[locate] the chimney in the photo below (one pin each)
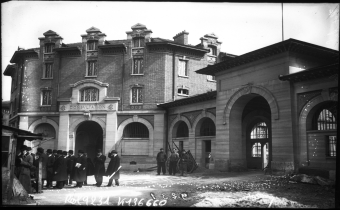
(182, 37)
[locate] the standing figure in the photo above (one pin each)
(173, 162)
(67, 162)
(70, 168)
(99, 167)
(49, 168)
(43, 158)
(33, 167)
(113, 168)
(183, 163)
(79, 172)
(59, 170)
(89, 169)
(161, 159)
(23, 164)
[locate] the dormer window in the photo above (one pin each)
(92, 45)
(138, 42)
(89, 94)
(49, 47)
(213, 50)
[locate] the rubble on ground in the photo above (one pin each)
(312, 180)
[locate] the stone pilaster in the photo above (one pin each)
(63, 135)
(111, 132)
(158, 140)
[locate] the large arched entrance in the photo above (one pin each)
(250, 132)
(89, 137)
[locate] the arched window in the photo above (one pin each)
(182, 130)
(208, 128)
(256, 151)
(136, 130)
(259, 131)
(324, 120)
(89, 94)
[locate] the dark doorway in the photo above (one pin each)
(206, 150)
(89, 137)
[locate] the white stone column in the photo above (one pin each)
(111, 132)
(158, 140)
(63, 136)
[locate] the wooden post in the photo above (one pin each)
(12, 167)
(40, 176)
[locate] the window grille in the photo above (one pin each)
(208, 128)
(137, 95)
(92, 45)
(137, 66)
(89, 94)
(182, 130)
(182, 91)
(136, 130)
(326, 120)
(256, 152)
(92, 68)
(46, 97)
(182, 68)
(49, 48)
(259, 131)
(211, 78)
(48, 70)
(138, 42)
(331, 146)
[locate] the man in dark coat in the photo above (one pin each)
(113, 168)
(161, 159)
(67, 166)
(89, 169)
(33, 167)
(183, 163)
(79, 172)
(23, 164)
(40, 155)
(60, 170)
(49, 168)
(99, 167)
(174, 157)
(70, 168)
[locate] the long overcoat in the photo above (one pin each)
(90, 167)
(60, 166)
(23, 171)
(50, 163)
(99, 165)
(113, 166)
(71, 163)
(43, 157)
(79, 174)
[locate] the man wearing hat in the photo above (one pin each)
(59, 170)
(71, 162)
(79, 172)
(43, 157)
(67, 166)
(23, 164)
(113, 167)
(99, 167)
(161, 159)
(49, 167)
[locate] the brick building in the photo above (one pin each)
(274, 106)
(103, 94)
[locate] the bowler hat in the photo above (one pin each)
(81, 151)
(60, 152)
(64, 153)
(114, 151)
(161, 149)
(23, 147)
(55, 151)
(70, 151)
(41, 150)
(29, 148)
(49, 151)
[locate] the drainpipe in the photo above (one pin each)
(173, 74)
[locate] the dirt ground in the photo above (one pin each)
(203, 188)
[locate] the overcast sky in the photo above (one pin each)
(241, 27)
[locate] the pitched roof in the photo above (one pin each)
(211, 95)
(291, 45)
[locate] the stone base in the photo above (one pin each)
(222, 165)
(282, 167)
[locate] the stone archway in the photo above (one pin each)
(304, 116)
(121, 127)
(35, 124)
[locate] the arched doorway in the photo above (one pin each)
(180, 135)
(49, 134)
(89, 137)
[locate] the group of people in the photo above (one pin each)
(64, 168)
(173, 160)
